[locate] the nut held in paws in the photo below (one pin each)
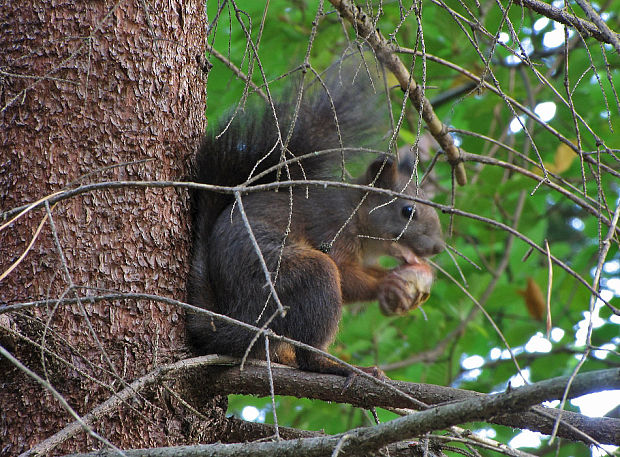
(405, 288)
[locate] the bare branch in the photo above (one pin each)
(584, 27)
(386, 53)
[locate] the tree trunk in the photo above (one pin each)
(87, 87)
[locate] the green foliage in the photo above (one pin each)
(574, 235)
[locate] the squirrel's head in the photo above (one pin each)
(410, 227)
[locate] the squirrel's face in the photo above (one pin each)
(407, 225)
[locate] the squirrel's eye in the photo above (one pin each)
(407, 211)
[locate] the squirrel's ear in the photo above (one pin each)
(384, 170)
(406, 163)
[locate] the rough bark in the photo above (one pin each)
(86, 86)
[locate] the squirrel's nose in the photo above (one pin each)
(438, 246)
(429, 246)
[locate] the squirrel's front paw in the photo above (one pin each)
(405, 288)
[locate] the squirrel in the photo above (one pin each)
(320, 244)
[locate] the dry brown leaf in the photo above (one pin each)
(562, 160)
(534, 299)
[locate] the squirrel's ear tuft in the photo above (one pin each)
(406, 164)
(383, 171)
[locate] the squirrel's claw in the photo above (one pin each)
(374, 371)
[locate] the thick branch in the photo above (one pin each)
(240, 431)
(364, 393)
(611, 36)
(365, 440)
(584, 27)
(386, 54)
